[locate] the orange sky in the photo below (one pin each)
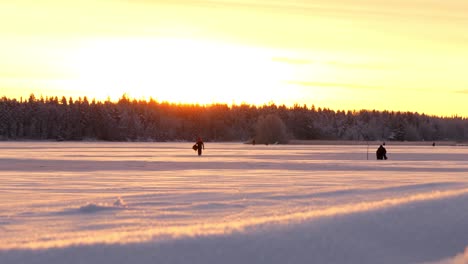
(408, 55)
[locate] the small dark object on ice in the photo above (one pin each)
(381, 153)
(200, 145)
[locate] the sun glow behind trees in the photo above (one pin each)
(181, 71)
(356, 54)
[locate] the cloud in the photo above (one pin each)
(452, 9)
(332, 85)
(368, 66)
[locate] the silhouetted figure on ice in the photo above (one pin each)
(381, 153)
(199, 145)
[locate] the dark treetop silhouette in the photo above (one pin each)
(140, 120)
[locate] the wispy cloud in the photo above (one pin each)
(372, 87)
(332, 85)
(367, 66)
(370, 8)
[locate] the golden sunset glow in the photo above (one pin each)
(355, 54)
(180, 70)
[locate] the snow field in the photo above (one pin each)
(88, 202)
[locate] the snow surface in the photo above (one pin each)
(89, 202)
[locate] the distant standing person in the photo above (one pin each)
(200, 145)
(381, 153)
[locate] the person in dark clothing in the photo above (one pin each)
(381, 153)
(200, 145)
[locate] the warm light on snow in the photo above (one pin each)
(161, 203)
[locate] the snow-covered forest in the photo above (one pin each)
(140, 120)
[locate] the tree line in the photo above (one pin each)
(128, 119)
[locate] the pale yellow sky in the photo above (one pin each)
(407, 55)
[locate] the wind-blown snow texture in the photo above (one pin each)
(161, 203)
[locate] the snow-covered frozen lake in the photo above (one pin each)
(86, 202)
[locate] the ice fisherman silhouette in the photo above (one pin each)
(381, 153)
(199, 145)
